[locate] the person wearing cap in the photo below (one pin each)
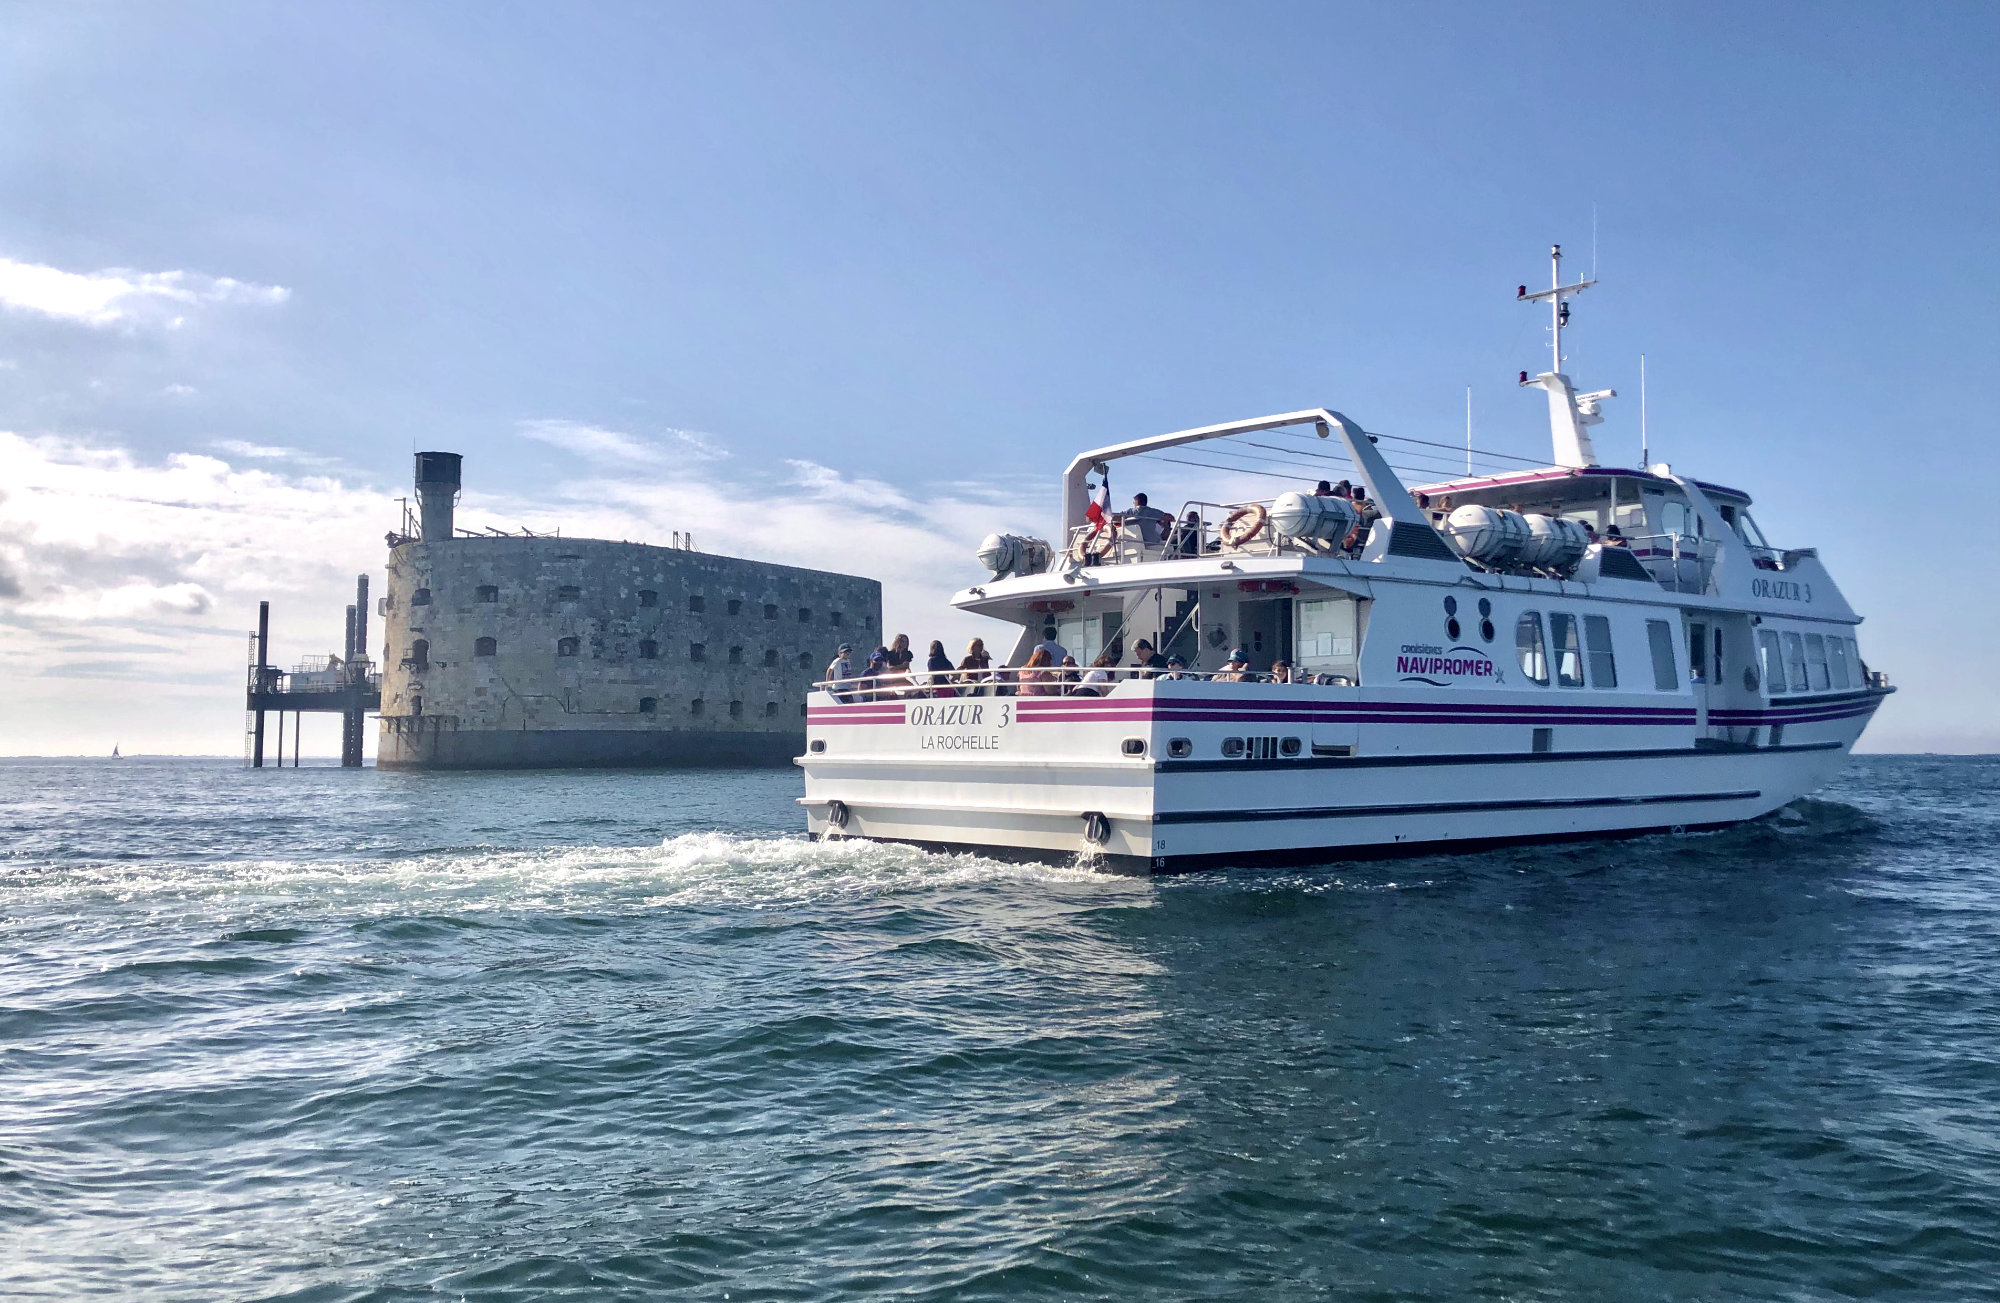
(874, 672)
(1174, 667)
(1238, 668)
(841, 667)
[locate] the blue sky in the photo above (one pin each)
(902, 261)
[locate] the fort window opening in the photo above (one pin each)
(833, 618)
(422, 597)
(697, 652)
(647, 597)
(805, 615)
(697, 602)
(697, 706)
(420, 654)
(770, 611)
(770, 710)
(569, 593)
(484, 647)
(649, 705)
(736, 710)
(568, 646)
(649, 650)
(736, 606)
(735, 655)
(771, 657)
(489, 593)
(805, 660)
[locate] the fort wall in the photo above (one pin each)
(508, 652)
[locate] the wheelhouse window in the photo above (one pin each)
(1597, 646)
(1325, 634)
(1666, 665)
(1816, 668)
(1795, 661)
(1529, 648)
(1771, 662)
(1837, 658)
(1564, 637)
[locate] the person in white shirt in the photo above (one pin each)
(1049, 644)
(841, 667)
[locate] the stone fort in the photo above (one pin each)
(529, 651)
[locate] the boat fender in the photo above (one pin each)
(836, 814)
(1244, 524)
(1096, 828)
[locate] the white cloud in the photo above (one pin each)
(595, 444)
(120, 297)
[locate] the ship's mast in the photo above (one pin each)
(1570, 413)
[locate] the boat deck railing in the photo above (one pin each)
(1679, 563)
(1196, 530)
(1055, 681)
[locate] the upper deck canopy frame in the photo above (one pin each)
(1393, 500)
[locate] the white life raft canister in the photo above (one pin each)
(1306, 515)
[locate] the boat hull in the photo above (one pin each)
(1619, 772)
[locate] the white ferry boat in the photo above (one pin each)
(1558, 652)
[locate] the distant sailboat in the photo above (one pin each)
(114, 752)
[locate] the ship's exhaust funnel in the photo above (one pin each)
(437, 493)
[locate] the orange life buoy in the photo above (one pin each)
(1244, 524)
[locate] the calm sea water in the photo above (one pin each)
(324, 1035)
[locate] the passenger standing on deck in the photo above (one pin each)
(1147, 661)
(1049, 644)
(1034, 676)
(938, 665)
(841, 667)
(976, 670)
(1149, 520)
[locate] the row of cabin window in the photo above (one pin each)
(648, 651)
(651, 706)
(647, 597)
(1809, 662)
(1585, 644)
